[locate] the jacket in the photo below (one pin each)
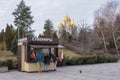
(47, 59)
(54, 58)
(39, 56)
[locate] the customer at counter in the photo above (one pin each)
(47, 61)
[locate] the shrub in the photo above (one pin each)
(101, 59)
(79, 60)
(12, 64)
(112, 58)
(91, 59)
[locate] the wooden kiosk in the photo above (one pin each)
(25, 47)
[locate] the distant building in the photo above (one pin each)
(68, 25)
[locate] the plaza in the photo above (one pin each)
(105, 71)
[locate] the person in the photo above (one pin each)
(33, 55)
(39, 59)
(60, 56)
(54, 59)
(47, 62)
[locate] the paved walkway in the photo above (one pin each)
(108, 71)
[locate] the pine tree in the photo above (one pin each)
(14, 45)
(9, 35)
(55, 35)
(23, 20)
(48, 27)
(2, 35)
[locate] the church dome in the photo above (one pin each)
(67, 18)
(73, 25)
(68, 24)
(61, 25)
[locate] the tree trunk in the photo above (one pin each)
(115, 44)
(104, 41)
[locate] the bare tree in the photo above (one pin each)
(99, 23)
(87, 39)
(106, 18)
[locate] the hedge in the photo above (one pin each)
(12, 64)
(92, 59)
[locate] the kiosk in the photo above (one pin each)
(27, 45)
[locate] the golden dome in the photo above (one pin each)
(67, 18)
(73, 25)
(61, 25)
(68, 24)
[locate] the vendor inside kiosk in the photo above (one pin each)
(34, 50)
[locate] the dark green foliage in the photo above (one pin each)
(88, 60)
(65, 36)
(101, 59)
(12, 64)
(14, 46)
(55, 35)
(48, 29)
(9, 64)
(2, 35)
(9, 35)
(23, 20)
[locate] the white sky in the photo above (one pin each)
(55, 10)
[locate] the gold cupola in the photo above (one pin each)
(61, 25)
(67, 18)
(68, 24)
(73, 25)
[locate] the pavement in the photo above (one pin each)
(106, 71)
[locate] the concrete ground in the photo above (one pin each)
(106, 71)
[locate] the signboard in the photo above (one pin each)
(35, 39)
(42, 39)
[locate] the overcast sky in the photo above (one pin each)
(55, 10)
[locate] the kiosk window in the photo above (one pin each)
(52, 50)
(45, 50)
(32, 51)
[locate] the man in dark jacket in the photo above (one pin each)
(54, 59)
(47, 62)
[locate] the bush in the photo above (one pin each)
(12, 64)
(91, 59)
(112, 58)
(101, 59)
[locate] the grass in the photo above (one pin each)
(7, 55)
(69, 53)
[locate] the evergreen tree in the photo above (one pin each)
(23, 20)
(14, 45)
(9, 35)
(2, 35)
(41, 36)
(55, 35)
(48, 27)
